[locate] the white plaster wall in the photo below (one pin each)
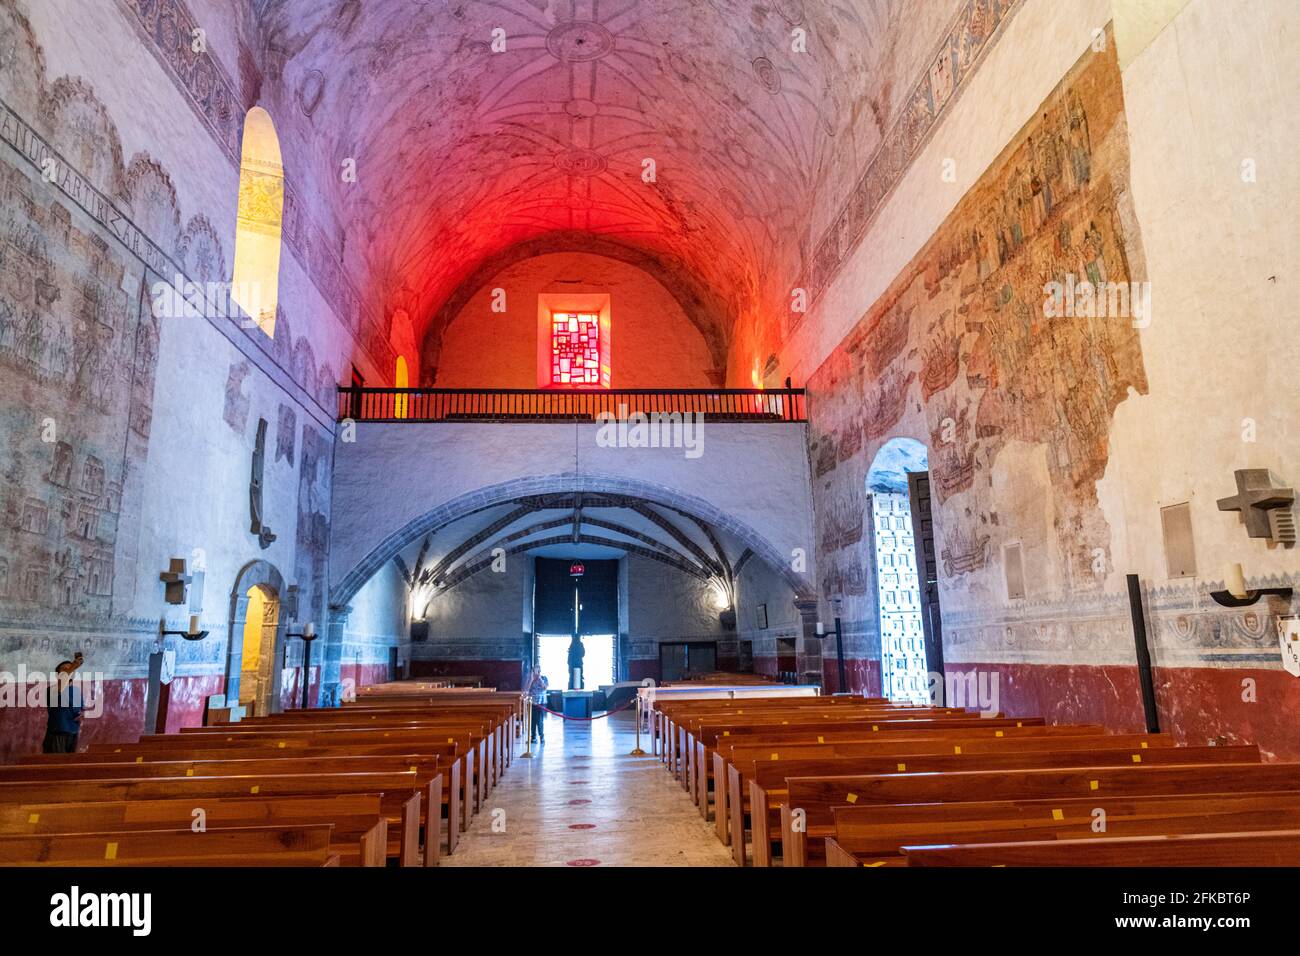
(1214, 89)
(667, 604)
(393, 473)
(378, 620)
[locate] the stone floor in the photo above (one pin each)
(582, 801)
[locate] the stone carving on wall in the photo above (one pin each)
(992, 367)
(257, 514)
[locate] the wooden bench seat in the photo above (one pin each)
(870, 835)
(237, 846)
(930, 742)
(428, 769)
(359, 837)
(818, 796)
(402, 795)
(769, 792)
(1265, 848)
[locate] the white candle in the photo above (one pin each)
(310, 629)
(1234, 580)
(194, 624)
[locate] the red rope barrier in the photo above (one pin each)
(597, 717)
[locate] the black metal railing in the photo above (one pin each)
(555, 405)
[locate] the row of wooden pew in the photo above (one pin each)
(393, 778)
(853, 781)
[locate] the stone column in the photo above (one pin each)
(331, 688)
(808, 647)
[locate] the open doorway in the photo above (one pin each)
(907, 594)
(257, 659)
(580, 597)
(597, 664)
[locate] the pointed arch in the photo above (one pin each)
(256, 277)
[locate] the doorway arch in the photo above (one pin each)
(260, 589)
(907, 607)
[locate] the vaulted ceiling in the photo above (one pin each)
(571, 525)
(464, 152)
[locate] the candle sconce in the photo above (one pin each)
(1228, 599)
(308, 634)
(193, 634)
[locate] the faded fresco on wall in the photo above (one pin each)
(76, 374)
(84, 235)
(962, 351)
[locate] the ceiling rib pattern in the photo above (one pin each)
(465, 151)
(621, 524)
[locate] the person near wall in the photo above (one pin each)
(536, 691)
(576, 653)
(63, 723)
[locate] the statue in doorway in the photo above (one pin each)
(576, 654)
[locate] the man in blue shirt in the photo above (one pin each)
(64, 722)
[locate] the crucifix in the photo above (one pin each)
(175, 581)
(1266, 508)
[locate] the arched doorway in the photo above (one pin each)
(907, 595)
(255, 658)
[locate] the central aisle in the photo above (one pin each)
(582, 801)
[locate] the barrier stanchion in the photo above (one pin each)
(528, 730)
(637, 751)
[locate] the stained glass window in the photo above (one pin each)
(575, 349)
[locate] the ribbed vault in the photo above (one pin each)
(757, 117)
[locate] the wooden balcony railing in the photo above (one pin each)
(554, 405)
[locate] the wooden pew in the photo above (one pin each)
(359, 836)
(873, 836)
(474, 780)
(401, 794)
(979, 727)
(237, 846)
(426, 768)
(747, 750)
(1266, 848)
(817, 796)
(298, 759)
(768, 789)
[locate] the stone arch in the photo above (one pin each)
(261, 574)
(506, 491)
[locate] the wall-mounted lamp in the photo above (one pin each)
(1236, 594)
(308, 634)
(193, 634)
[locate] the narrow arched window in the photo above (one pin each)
(401, 379)
(256, 282)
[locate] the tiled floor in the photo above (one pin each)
(627, 811)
